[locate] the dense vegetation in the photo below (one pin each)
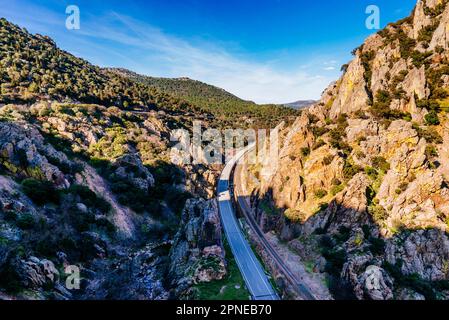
(33, 67)
(216, 101)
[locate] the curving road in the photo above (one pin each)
(244, 207)
(254, 275)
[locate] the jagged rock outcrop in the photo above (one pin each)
(348, 209)
(197, 254)
(352, 95)
(35, 273)
(424, 252)
(361, 128)
(201, 180)
(420, 19)
(23, 152)
(130, 168)
(363, 174)
(135, 276)
(381, 68)
(415, 83)
(440, 37)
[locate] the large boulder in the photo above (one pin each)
(352, 95)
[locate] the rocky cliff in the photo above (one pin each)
(86, 182)
(362, 175)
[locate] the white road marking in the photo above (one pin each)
(250, 268)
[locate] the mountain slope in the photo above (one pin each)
(86, 181)
(362, 184)
(217, 101)
(32, 68)
(185, 87)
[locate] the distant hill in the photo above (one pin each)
(184, 87)
(33, 68)
(217, 101)
(301, 104)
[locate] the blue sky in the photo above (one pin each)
(268, 51)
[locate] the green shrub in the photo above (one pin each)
(267, 206)
(406, 44)
(371, 172)
(378, 213)
(343, 235)
(431, 151)
(413, 281)
(381, 107)
(305, 152)
(350, 170)
(432, 118)
(366, 58)
(380, 163)
(176, 199)
(319, 131)
(430, 134)
(323, 206)
(428, 104)
(360, 114)
(341, 145)
(328, 160)
(166, 173)
(360, 154)
(336, 182)
(66, 168)
(335, 259)
(313, 118)
(370, 194)
(403, 186)
(130, 196)
(108, 226)
(26, 221)
(366, 231)
(425, 34)
(377, 246)
(336, 134)
(320, 194)
(40, 192)
(337, 189)
(420, 58)
(318, 144)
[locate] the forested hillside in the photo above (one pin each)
(222, 104)
(86, 181)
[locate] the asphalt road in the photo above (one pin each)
(254, 275)
(302, 290)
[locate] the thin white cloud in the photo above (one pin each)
(148, 50)
(257, 81)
